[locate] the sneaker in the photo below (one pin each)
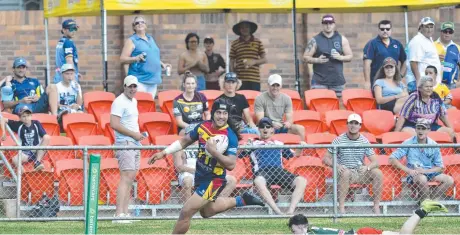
(433, 206)
(38, 166)
(62, 113)
(251, 199)
(117, 221)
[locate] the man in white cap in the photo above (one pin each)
(69, 91)
(124, 120)
(275, 105)
(351, 166)
(421, 53)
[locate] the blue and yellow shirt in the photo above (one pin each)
(451, 61)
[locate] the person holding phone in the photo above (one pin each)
(327, 51)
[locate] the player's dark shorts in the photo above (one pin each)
(211, 189)
(429, 177)
(277, 176)
(32, 157)
(368, 231)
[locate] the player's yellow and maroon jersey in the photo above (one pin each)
(207, 167)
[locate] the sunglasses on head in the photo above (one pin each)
(139, 22)
(385, 29)
(448, 31)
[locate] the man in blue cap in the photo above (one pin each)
(19, 91)
(66, 51)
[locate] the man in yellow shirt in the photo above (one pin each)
(441, 89)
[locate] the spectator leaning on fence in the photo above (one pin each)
(31, 133)
(19, 91)
(327, 51)
(124, 121)
(350, 163)
(216, 65)
(247, 53)
(194, 60)
(389, 91)
(267, 166)
(69, 91)
(378, 49)
(421, 53)
(424, 103)
(449, 55)
(423, 164)
(66, 51)
(277, 106)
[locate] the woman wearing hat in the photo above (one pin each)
(389, 91)
(247, 53)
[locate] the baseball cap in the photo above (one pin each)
(426, 20)
(66, 67)
(354, 117)
(423, 122)
(265, 121)
(130, 80)
(208, 40)
(231, 76)
(24, 109)
(388, 61)
(19, 61)
(275, 78)
(328, 19)
(69, 23)
(447, 25)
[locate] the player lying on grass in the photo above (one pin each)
(299, 223)
(211, 167)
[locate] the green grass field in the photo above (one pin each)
(429, 225)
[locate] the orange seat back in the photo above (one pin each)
(452, 168)
(336, 120)
(56, 155)
(319, 138)
(79, 124)
(454, 118)
(145, 102)
(110, 177)
(37, 183)
(312, 170)
(378, 122)
(250, 97)
(321, 100)
(153, 186)
(286, 138)
(442, 138)
(455, 97)
(358, 100)
(96, 140)
(155, 124)
(295, 97)
(98, 102)
(310, 120)
(211, 95)
(394, 138)
(9, 116)
(239, 171)
(105, 128)
(392, 184)
(49, 123)
(70, 173)
(165, 101)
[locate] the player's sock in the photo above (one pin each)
(239, 201)
(421, 213)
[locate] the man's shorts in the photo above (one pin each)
(429, 176)
(210, 190)
(356, 177)
(337, 89)
(368, 231)
(31, 156)
(41, 106)
(184, 175)
(128, 159)
(277, 176)
(282, 130)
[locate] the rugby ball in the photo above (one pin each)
(221, 143)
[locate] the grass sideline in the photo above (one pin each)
(429, 225)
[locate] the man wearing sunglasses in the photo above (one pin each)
(378, 49)
(66, 51)
(449, 53)
(424, 165)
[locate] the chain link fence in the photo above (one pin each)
(159, 190)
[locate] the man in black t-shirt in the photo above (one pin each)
(216, 65)
(240, 106)
(31, 133)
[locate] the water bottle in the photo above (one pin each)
(145, 56)
(137, 212)
(168, 71)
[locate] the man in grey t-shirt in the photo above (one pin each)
(275, 105)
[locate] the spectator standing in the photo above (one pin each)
(423, 164)
(351, 166)
(19, 91)
(66, 51)
(449, 54)
(141, 58)
(124, 121)
(194, 60)
(247, 53)
(421, 53)
(277, 106)
(216, 65)
(69, 91)
(380, 48)
(327, 51)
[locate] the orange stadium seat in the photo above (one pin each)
(9, 154)
(104, 127)
(358, 100)
(394, 138)
(312, 169)
(378, 122)
(452, 168)
(165, 140)
(455, 97)
(239, 171)
(79, 124)
(310, 120)
(96, 140)
(211, 95)
(49, 123)
(453, 115)
(165, 101)
(295, 97)
(152, 185)
(70, 175)
(336, 121)
(9, 116)
(286, 138)
(321, 100)
(442, 138)
(56, 155)
(392, 184)
(155, 124)
(110, 176)
(145, 102)
(319, 138)
(35, 184)
(98, 102)
(250, 97)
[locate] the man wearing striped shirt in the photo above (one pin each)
(246, 55)
(351, 166)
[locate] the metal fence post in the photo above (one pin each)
(85, 180)
(334, 180)
(19, 182)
